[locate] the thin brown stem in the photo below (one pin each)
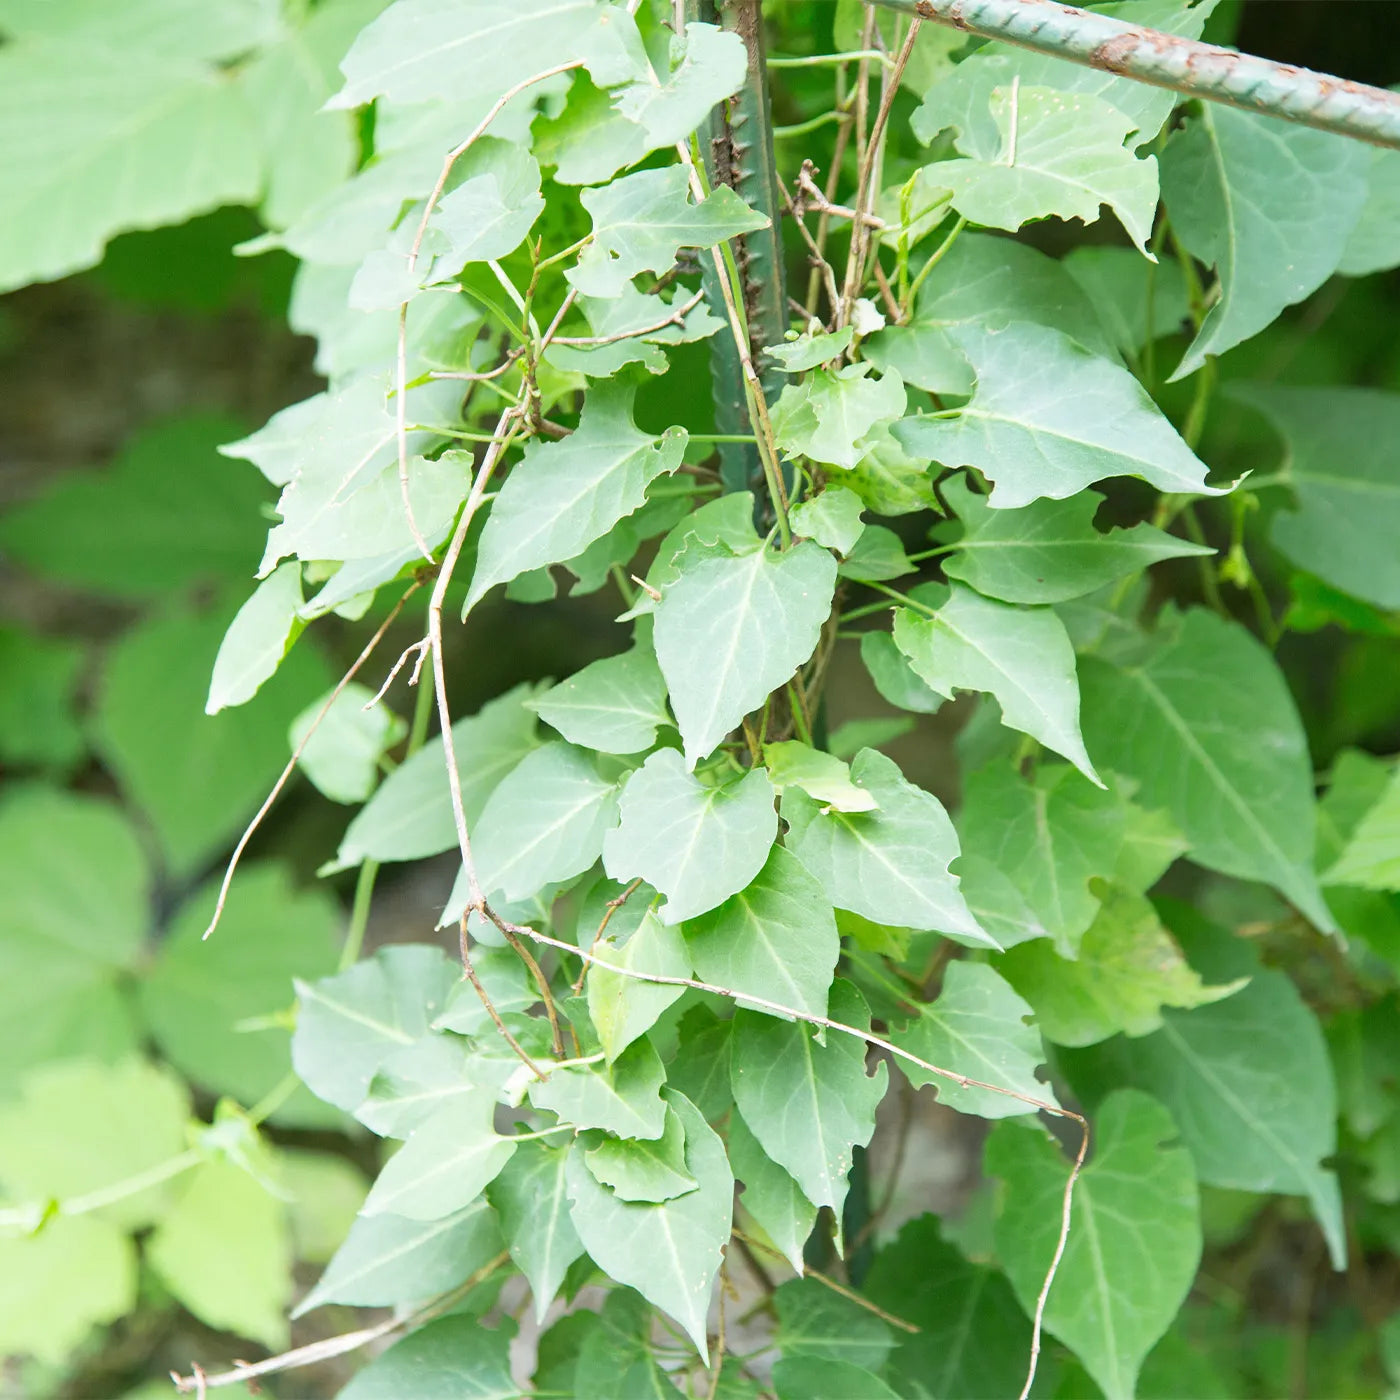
(470, 973)
(676, 318)
(331, 1347)
(297, 753)
(796, 1014)
(611, 908)
(542, 982)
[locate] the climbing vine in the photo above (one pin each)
(878, 392)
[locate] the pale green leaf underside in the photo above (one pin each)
(1048, 418)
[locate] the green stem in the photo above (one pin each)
(827, 60)
(110, 1195)
(787, 133)
(359, 913)
(277, 1095)
(935, 258)
(866, 611)
(904, 599)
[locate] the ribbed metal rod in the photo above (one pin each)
(1169, 61)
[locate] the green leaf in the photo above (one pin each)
(820, 775)
(529, 1195)
(543, 824)
(616, 1356)
(589, 140)
(889, 865)
(640, 1169)
(350, 1024)
(167, 28)
(877, 555)
(454, 1358)
(1128, 967)
(828, 416)
(1374, 244)
(815, 1322)
(257, 639)
(1269, 208)
(635, 324)
(700, 1067)
(223, 1213)
(615, 705)
(1133, 1253)
(77, 1273)
(831, 518)
(487, 214)
(307, 152)
(641, 222)
(151, 705)
(776, 938)
(623, 1097)
(669, 1252)
(1056, 153)
(1339, 466)
(623, 1007)
(447, 1161)
(387, 1260)
(810, 350)
(417, 1080)
(564, 495)
(147, 140)
(38, 680)
(419, 50)
(1022, 656)
(197, 995)
(888, 479)
(771, 1197)
(808, 1103)
(1206, 725)
(1371, 857)
(732, 629)
(822, 1378)
(707, 64)
(79, 1126)
(1050, 836)
(973, 1338)
(1137, 302)
(1250, 1085)
(1048, 418)
(978, 1027)
(1049, 551)
(325, 1193)
(989, 281)
(894, 677)
(187, 516)
(76, 912)
(1357, 782)
(695, 843)
(341, 756)
(411, 814)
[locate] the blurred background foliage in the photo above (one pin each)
(126, 544)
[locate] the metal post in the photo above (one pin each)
(1169, 61)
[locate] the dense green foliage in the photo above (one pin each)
(1081, 446)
